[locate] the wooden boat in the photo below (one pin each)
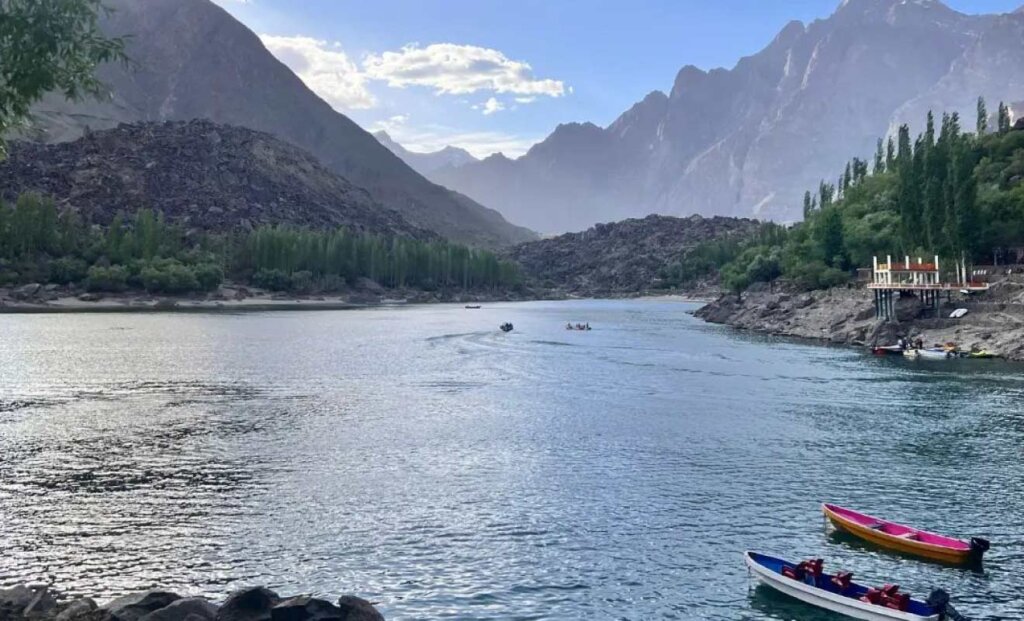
(838, 593)
(905, 538)
(887, 350)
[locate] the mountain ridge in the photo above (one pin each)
(428, 162)
(197, 173)
(747, 141)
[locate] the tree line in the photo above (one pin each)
(950, 192)
(39, 243)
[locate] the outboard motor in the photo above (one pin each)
(979, 546)
(939, 600)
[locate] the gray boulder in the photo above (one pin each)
(252, 604)
(306, 608)
(25, 292)
(358, 609)
(137, 605)
(16, 597)
(41, 604)
(178, 610)
(76, 609)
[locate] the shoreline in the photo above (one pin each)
(265, 301)
(845, 316)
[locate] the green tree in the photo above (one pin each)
(879, 165)
(49, 45)
(1003, 118)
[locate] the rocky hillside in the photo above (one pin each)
(426, 163)
(748, 141)
(621, 258)
(191, 59)
(209, 176)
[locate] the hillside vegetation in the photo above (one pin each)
(949, 192)
(40, 244)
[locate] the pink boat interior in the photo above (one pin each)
(899, 530)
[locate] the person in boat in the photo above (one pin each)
(919, 343)
(568, 325)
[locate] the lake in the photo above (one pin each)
(419, 457)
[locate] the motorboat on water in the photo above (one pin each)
(506, 327)
(887, 350)
(928, 354)
(906, 539)
(837, 592)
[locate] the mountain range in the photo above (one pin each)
(430, 162)
(191, 60)
(748, 141)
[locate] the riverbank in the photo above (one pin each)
(54, 299)
(41, 603)
(995, 319)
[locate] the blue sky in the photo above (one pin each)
(496, 75)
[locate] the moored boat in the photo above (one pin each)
(887, 350)
(837, 592)
(928, 354)
(904, 538)
(983, 354)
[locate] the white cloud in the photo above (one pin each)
(458, 69)
(490, 106)
(325, 69)
(525, 100)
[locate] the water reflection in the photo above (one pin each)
(421, 458)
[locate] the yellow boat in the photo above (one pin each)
(906, 539)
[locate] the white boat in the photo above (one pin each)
(958, 313)
(823, 592)
(927, 354)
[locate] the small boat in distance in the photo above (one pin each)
(472, 306)
(837, 592)
(506, 327)
(578, 326)
(928, 354)
(906, 539)
(887, 350)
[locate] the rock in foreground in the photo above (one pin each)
(24, 603)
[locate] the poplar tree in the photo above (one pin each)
(879, 166)
(981, 126)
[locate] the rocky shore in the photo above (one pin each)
(40, 603)
(845, 315)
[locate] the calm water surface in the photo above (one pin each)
(423, 459)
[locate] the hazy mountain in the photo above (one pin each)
(748, 141)
(191, 59)
(205, 175)
(426, 163)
